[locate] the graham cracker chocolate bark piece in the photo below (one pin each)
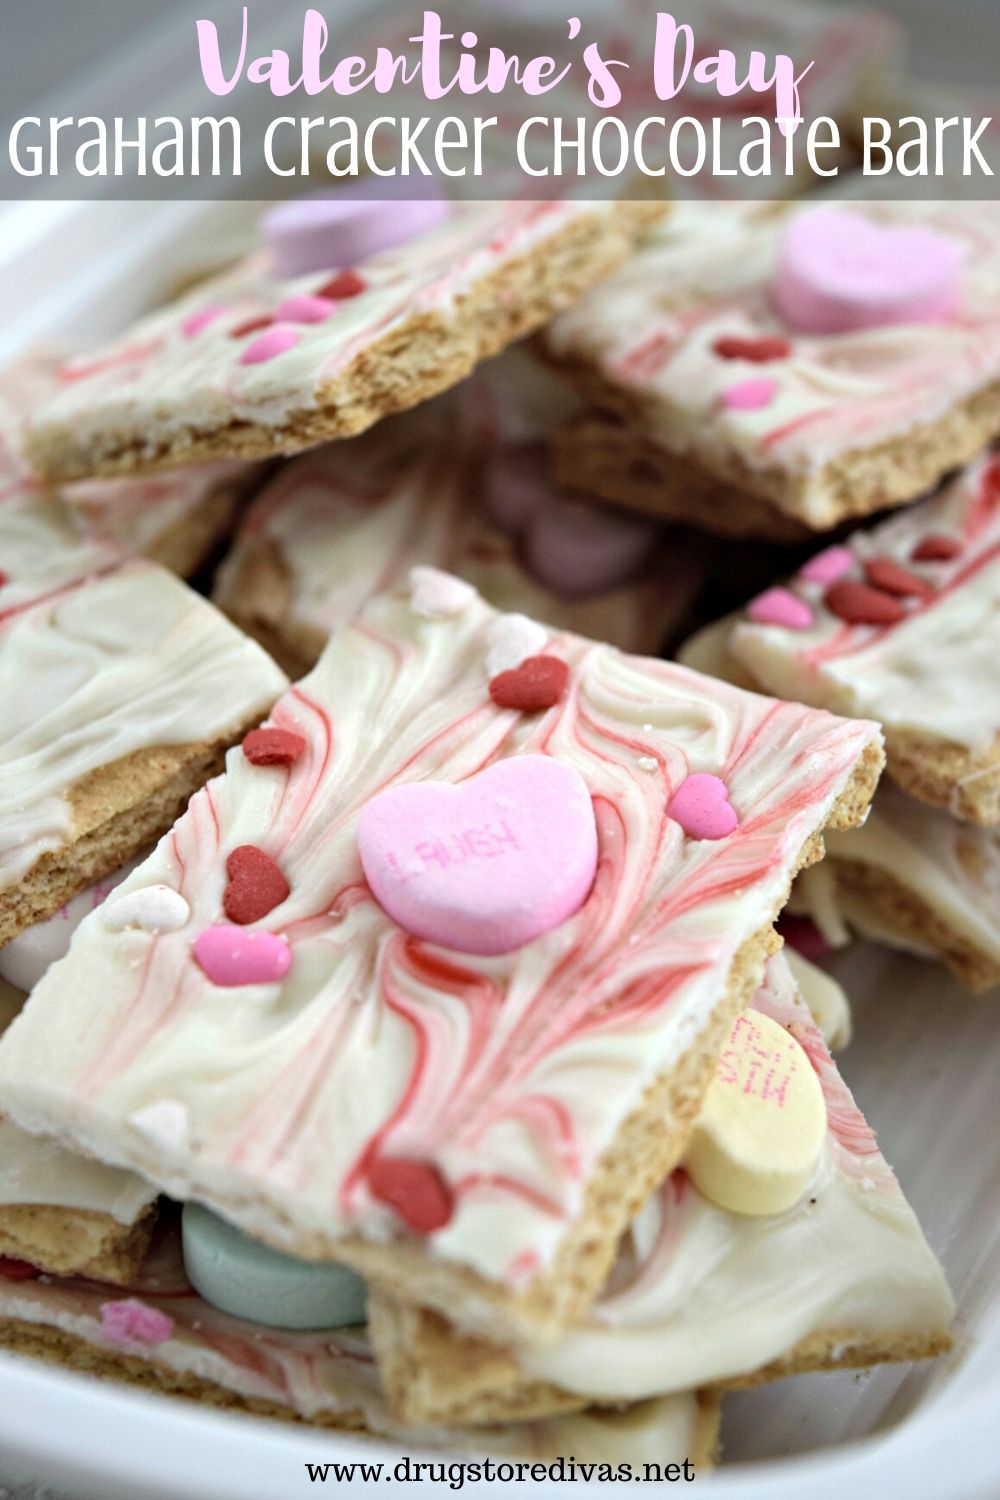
(248, 366)
(732, 349)
(471, 1130)
(901, 624)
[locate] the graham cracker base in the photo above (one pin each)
(76, 1241)
(964, 782)
(428, 353)
(857, 483)
(40, 1341)
(432, 1374)
(646, 1149)
(901, 911)
(52, 1345)
(598, 456)
(118, 810)
(257, 596)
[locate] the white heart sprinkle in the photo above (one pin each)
(437, 595)
(165, 1122)
(155, 908)
(512, 639)
(648, 762)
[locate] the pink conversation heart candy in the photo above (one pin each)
(580, 549)
(827, 566)
(232, 956)
(323, 231)
(750, 395)
(486, 865)
(838, 271)
(515, 486)
(780, 607)
(701, 806)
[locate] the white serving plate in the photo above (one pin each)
(923, 1066)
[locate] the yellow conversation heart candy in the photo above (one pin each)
(762, 1125)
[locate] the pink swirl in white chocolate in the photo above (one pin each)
(654, 331)
(509, 1075)
(935, 666)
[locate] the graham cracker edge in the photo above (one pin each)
(118, 810)
(857, 483)
(76, 1241)
(904, 912)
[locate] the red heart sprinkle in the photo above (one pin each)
(256, 885)
(273, 747)
(4, 578)
(758, 351)
(252, 325)
(414, 1190)
(860, 605)
(17, 1270)
(344, 284)
(936, 548)
(883, 573)
(539, 682)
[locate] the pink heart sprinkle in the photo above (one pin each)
(838, 271)
(270, 344)
(750, 395)
(232, 956)
(829, 565)
(304, 310)
(132, 1322)
(702, 807)
(487, 865)
(196, 321)
(780, 607)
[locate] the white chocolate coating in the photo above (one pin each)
(705, 274)
(952, 867)
(34, 1170)
(511, 1075)
(32, 952)
(827, 1002)
(937, 671)
(704, 1295)
(100, 658)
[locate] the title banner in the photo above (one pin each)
(498, 98)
